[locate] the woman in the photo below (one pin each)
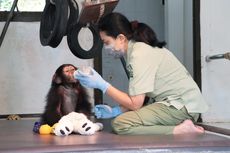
(154, 72)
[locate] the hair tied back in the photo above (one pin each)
(134, 25)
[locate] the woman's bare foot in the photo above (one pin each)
(187, 127)
(199, 127)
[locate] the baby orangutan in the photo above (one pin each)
(65, 95)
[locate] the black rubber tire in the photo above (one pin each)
(53, 23)
(75, 47)
(74, 13)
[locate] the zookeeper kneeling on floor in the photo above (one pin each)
(154, 72)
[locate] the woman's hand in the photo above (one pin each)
(105, 111)
(91, 79)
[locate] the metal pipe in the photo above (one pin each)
(218, 56)
(8, 21)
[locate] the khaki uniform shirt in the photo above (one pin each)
(157, 73)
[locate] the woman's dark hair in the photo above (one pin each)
(114, 24)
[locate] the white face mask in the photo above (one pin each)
(111, 51)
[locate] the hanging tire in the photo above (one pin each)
(74, 13)
(76, 49)
(53, 23)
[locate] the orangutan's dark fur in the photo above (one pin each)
(64, 97)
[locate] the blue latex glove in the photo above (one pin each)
(91, 79)
(105, 111)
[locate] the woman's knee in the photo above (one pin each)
(119, 125)
(125, 122)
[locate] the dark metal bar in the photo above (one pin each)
(218, 56)
(22, 16)
(8, 21)
(196, 43)
(215, 129)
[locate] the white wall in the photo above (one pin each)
(27, 68)
(215, 39)
(174, 27)
(179, 30)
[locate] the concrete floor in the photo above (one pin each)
(17, 137)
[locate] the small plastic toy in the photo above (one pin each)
(36, 127)
(45, 129)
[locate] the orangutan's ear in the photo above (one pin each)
(56, 79)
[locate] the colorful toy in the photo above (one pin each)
(45, 129)
(36, 127)
(77, 123)
(13, 117)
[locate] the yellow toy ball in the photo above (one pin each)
(45, 129)
(53, 128)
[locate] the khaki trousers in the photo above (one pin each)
(154, 118)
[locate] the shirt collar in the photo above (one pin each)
(130, 47)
